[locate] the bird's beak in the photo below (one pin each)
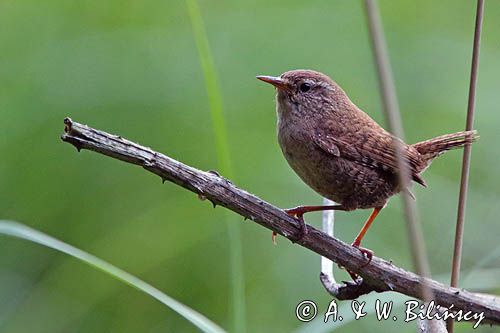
(275, 81)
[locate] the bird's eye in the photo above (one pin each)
(305, 87)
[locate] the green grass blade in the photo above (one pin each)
(212, 86)
(224, 163)
(18, 230)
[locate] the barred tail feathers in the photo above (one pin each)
(432, 148)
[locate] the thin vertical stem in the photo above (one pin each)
(393, 118)
(464, 181)
(237, 278)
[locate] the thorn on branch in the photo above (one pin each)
(75, 143)
(213, 172)
(202, 197)
(216, 173)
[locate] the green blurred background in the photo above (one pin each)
(131, 68)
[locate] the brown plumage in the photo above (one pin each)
(340, 151)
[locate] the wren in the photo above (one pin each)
(340, 151)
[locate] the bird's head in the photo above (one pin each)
(304, 91)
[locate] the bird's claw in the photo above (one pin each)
(355, 281)
(355, 277)
(366, 252)
(274, 238)
(298, 213)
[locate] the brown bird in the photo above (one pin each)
(340, 151)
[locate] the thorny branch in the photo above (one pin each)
(379, 275)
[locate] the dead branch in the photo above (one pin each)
(379, 275)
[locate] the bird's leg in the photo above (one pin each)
(299, 212)
(357, 241)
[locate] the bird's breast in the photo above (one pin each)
(301, 153)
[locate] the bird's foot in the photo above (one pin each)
(298, 213)
(366, 252)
